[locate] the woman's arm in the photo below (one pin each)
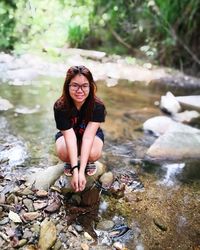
(87, 141)
(71, 144)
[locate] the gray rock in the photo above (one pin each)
(105, 225)
(186, 116)
(170, 104)
(28, 204)
(47, 235)
(5, 104)
(189, 102)
(45, 178)
(179, 142)
(158, 125)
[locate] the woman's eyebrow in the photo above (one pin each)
(81, 84)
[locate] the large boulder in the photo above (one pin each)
(169, 104)
(178, 143)
(44, 179)
(189, 102)
(158, 125)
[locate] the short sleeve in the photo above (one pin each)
(99, 113)
(61, 119)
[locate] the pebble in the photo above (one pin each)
(84, 246)
(41, 193)
(118, 246)
(21, 243)
(28, 203)
(72, 230)
(27, 191)
(87, 236)
(105, 225)
(160, 224)
(78, 228)
(57, 245)
(4, 221)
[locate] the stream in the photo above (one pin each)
(165, 212)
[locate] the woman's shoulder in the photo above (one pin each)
(99, 103)
(59, 105)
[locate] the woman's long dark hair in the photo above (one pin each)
(66, 102)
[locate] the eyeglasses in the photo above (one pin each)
(76, 87)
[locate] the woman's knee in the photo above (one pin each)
(95, 155)
(62, 151)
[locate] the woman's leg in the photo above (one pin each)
(95, 153)
(61, 149)
(96, 150)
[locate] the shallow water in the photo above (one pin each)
(32, 126)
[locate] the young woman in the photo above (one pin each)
(78, 114)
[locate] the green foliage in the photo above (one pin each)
(164, 30)
(7, 24)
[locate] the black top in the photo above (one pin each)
(77, 118)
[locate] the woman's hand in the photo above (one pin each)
(81, 180)
(75, 180)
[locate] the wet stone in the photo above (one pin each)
(4, 221)
(21, 243)
(48, 231)
(84, 246)
(160, 224)
(10, 199)
(105, 225)
(26, 191)
(87, 236)
(41, 193)
(28, 204)
(78, 228)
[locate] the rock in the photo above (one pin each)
(14, 217)
(189, 102)
(54, 206)
(158, 125)
(27, 191)
(39, 204)
(186, 116)
(47, 235)
(87, 236)
(31, 247)
(10, 199)
(84, 246)
(45, 178)
(160, 224)
(118, 245)
(57, 245)
(28, 203)
(21, 243)
(27, 233)
(30, 216)
(78, 228)
(169, 104)
(72, 230)
(41, 193)
(178, 143)
(4, 221)
(2, 198)
(92, 54)
(107, 179)
(5, 104)
(105, 225)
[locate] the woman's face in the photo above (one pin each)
(79, 89)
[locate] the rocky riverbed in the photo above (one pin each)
(148, 199)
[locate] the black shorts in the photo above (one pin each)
(99, 133)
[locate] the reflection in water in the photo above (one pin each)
(171, 171)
